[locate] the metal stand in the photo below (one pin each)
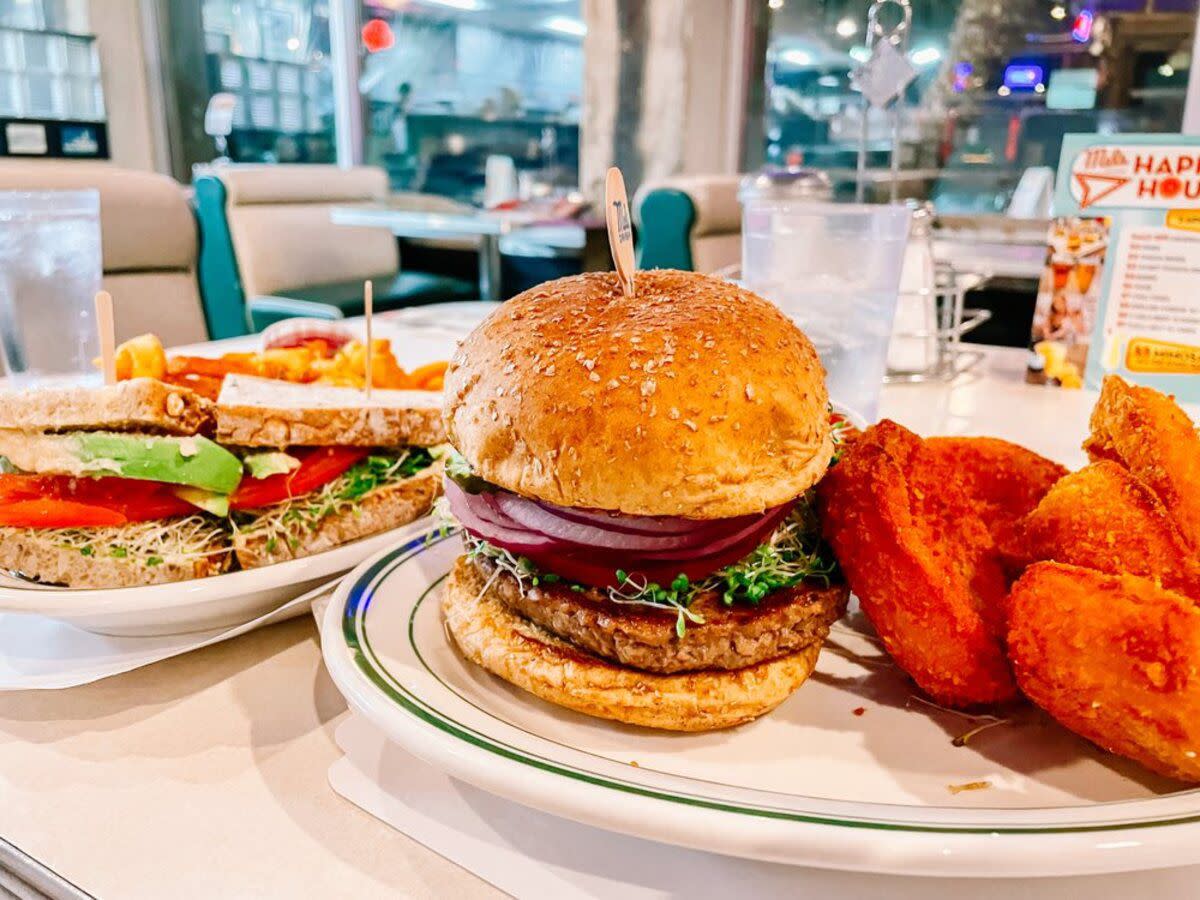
(949, 359)
(898, 37)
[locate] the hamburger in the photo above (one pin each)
(632, 476)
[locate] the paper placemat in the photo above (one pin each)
(528, 853)
(38, 653)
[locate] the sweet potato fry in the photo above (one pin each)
(1114, 658)
(922, 562)
(1148, 433)
(428, 372)
(1103, 518)
(239, 363)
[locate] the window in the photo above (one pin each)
(48, 63)
(997, 87)
(449, 84)
(273, 57)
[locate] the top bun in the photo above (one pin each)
(696, 398)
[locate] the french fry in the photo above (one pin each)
(313, 361)
(427, 372)
(140, 357)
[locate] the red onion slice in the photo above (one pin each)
(537, 517)
(620, 522)
(590, 554)
(601, 569)
(509, 537)
(763, 526)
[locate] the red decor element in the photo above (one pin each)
(377, 35)
(1096, 187)
(1014, 138)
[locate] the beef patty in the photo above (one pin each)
(642, 637)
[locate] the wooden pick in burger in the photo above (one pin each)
(104, 330)
(620, 230)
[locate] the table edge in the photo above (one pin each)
(30, 873)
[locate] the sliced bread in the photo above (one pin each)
(257, 412)
(141, 404)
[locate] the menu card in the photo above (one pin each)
(1147, 321)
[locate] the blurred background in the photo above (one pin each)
(437, 86)
(458, 147)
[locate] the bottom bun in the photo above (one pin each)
(507, 644)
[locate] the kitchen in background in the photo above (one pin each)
(449, 84)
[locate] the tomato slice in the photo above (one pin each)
(51, 512)
(134, 500)
(317, 467)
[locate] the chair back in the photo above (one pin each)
(148, 242)
(267, 229)
(691, 222)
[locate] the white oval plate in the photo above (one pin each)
(194, 605)
(852, 772)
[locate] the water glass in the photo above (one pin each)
(834, 269)
(50, 269)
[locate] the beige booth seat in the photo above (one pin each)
(284, 239)
(716, 235)
(148, 239)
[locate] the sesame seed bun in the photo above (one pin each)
(507, 644)
(695, 398)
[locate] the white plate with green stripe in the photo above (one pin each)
(853, 772)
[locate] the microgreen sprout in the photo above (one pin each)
(189, 538)
(636, 591)
(305, 513)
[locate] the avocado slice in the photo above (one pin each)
(190, 461)
(264, 465)
(193, 461)
(216, 504)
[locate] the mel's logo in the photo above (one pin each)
(624, 229)
(1149, 176)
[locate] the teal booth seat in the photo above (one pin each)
(665, 220)
(269, 250)
(689, 222)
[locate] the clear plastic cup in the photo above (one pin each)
(50, 269)
(834, 269)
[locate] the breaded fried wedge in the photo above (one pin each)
(1103, 518)
(922, 563)
(1006, 480)
(1148, 433)
(1114, 658)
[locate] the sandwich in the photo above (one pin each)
(325, 465)
(125, 485)
(633, 477)
(112, 486)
